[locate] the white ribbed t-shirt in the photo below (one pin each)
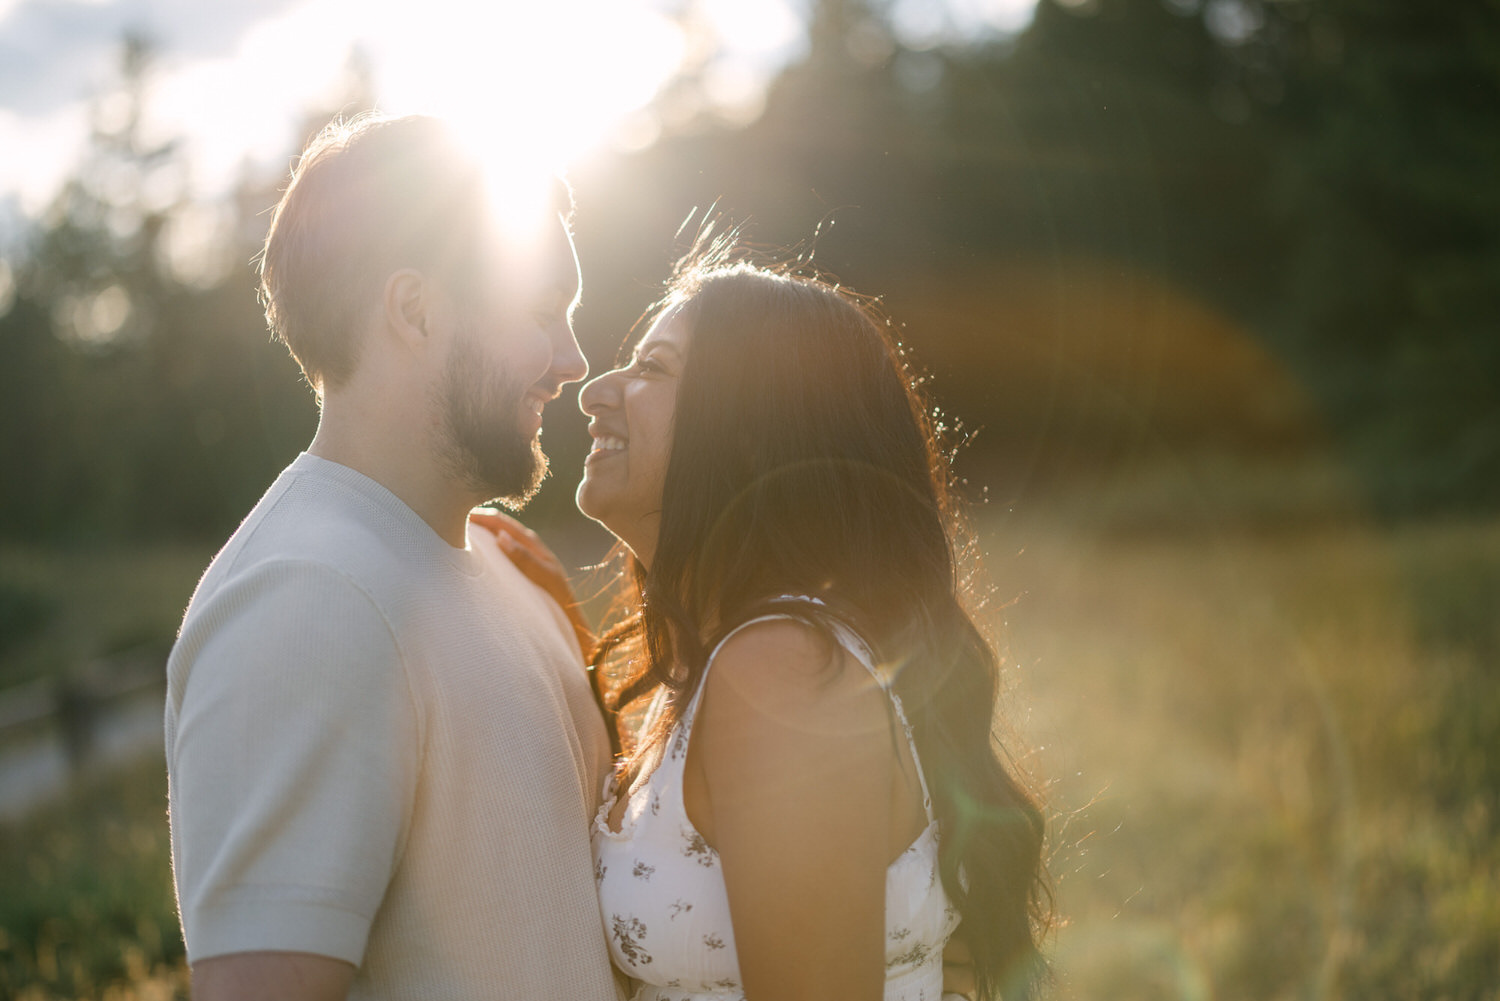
(383, 749)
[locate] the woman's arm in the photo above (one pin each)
(796, 762)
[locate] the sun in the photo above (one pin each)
(528, 87)
(533, 86)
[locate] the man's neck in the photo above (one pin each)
(403, 463)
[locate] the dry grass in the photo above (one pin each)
(87, 909)
(1252, 739)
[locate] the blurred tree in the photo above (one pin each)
(1321, 170)
(87, 299)
(1390, 289)
(1324, 169)
(143, 397)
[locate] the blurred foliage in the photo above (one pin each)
(141, 398)
(65, 608)
(1318, 172)
(87, 909)
(23, 614)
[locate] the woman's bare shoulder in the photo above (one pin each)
(794, 670)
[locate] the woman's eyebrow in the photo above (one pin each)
(645, 346)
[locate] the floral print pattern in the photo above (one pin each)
(629, 933)
(695, 848)
(915, 956)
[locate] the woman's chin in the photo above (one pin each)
(594, 508)
(587, 502)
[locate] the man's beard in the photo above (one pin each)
(483, 443)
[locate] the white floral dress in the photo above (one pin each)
(662, 895)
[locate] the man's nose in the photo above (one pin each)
(567, 357)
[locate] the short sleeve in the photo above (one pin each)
(293, 765)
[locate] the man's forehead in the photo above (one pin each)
(543, 260)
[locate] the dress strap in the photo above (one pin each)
(692, 706)
(857, 648)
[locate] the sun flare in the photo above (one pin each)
(534, 86)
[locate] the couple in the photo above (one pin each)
(390, 773)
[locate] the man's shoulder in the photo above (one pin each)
(303, 521)
(298, 581)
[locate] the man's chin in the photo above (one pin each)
(515, 490)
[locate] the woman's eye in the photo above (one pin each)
(647, 366)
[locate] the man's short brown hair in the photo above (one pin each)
(367, 197)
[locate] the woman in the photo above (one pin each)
(812, 802)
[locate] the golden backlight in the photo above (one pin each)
(537, 84)
(533, 85)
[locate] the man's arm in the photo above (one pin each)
(293, 768)
(264, 976)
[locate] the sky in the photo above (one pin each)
(234, 80)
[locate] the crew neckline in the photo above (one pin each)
(463, 558)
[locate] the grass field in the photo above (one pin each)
(1268, 754)
(87, 908)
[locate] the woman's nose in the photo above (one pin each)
(598, 393)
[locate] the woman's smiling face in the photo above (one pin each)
(631, 410)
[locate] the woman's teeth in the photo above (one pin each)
(609, 443)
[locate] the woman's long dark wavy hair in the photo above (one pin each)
(805, 461)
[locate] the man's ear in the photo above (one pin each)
(408, 304)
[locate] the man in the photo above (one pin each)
(384, 756)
